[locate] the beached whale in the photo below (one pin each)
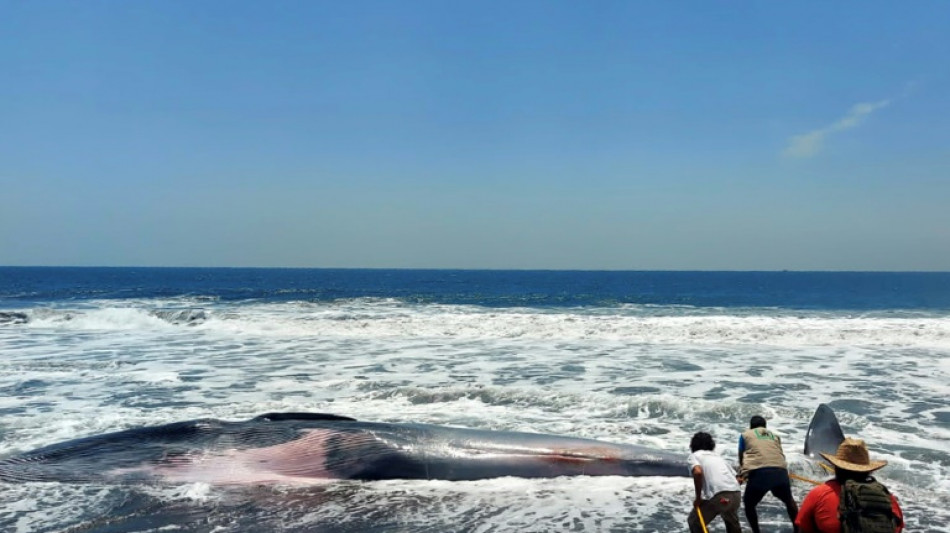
(300, 448)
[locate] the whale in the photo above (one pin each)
(297, 448)
(307, 448)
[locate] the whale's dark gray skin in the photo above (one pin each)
(300, 448)
(824, 434)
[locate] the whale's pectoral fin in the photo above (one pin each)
(824, 435)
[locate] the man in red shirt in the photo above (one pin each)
(819, 512)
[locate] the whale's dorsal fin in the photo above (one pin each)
(824, 434)
(275, 417)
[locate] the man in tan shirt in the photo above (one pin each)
(762, 464)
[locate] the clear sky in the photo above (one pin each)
(516, 134)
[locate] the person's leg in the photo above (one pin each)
(729, 508)
(754, 492)
(783, 492)
(693, 521)
(710, 509)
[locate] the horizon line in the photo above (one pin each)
(469, 269)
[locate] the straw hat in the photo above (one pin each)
(853, 456)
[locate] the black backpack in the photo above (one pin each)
(866, 508)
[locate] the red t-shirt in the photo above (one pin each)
(819, 512)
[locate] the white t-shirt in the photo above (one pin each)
(718, 476)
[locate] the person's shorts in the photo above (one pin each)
(764, 480)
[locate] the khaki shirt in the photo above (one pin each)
(762, 449)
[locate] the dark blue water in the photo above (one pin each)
(859, 291)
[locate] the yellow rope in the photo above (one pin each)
(701, 521)
(805, 479)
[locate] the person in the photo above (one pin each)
(717, 491)
(820, 511)
(762, 466)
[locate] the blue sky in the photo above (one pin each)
(561, 135)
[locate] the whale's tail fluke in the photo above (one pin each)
(824, 434)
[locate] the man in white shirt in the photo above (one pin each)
(717, 491)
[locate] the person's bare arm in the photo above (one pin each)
(698, 478)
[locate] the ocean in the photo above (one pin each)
(643, 358)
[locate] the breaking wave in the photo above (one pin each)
(360, 319)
